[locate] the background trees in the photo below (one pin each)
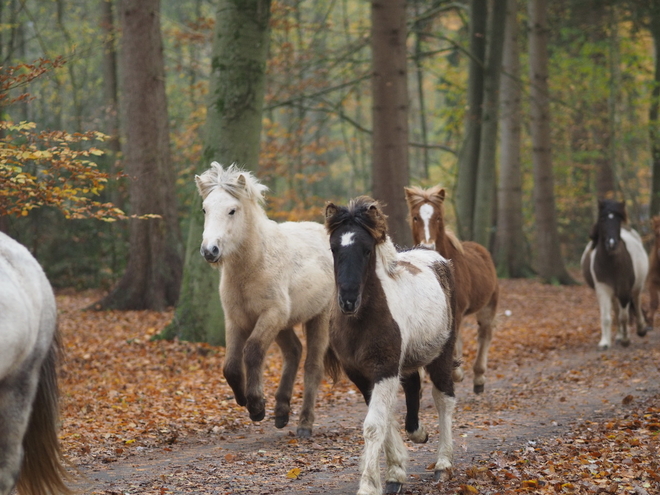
(318, 127)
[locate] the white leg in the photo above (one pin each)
(622, 333)
(375, 430)
(396, 454)
(445, 406)
(604, 295)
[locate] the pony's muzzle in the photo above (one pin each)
(210, 253)
(428, 245)
(349, 305)
(610, 244)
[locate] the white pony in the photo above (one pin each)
(273, 276)
(30, 456)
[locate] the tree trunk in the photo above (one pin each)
(550, 264)
(468, 160)
(654, 132)
(484, 202)
(390, 169)
(510, 256)
(153, 276)
(233, 130)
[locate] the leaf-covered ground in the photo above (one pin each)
(558, 416)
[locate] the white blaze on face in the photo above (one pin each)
(347, 239)
(426, 212)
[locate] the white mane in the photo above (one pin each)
(238, 182)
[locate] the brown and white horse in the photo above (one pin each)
(615, 264)
(393, 313)
(273, 276)
(30, 455)
(653, 279)
(477, 289)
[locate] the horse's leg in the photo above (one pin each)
(642, 325)
(396, 458)
(458, 372)
(375, 430)
(653, 294)
(363, 384)
(604, 296)
(317, 338)
(233, 368)
(291, 348)
(412, 386)
(268, 326)
(621, 315)
(485, 318)
(16, 396)
(440, 372)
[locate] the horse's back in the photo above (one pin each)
(27, 306)
(476, 278)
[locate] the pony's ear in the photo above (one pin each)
(241, 181)
(441, 194)
(410, 192)
(330, 210)
(202, 187)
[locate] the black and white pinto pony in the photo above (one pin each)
(30, 456)
(615, 264)
(273, 276)
(392, 315)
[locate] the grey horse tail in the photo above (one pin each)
(43, 469)
(332, 366)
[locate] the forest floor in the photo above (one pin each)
(557, 416)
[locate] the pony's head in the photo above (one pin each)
(426, 214)
(355, 231)
(228, 196)
(607, 230)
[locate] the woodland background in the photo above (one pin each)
(71, 73)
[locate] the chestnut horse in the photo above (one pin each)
(615, 265)
(477, 289)
(393, 313)
(653, 279)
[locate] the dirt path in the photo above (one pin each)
(526, 400)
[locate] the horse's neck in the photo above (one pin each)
(448, 247)
(251, 251)
(386, 256)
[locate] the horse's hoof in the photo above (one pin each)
(457, 375)
(442, 475)
(281, 421)
(240, 400)
(625, 343)
(303, 432)
(419, 436)
(479, 389)
(603, 347)
(258, 416)
(643, 331)
(393, 487)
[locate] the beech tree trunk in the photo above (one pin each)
(233, 130)
(549, 263)
(468, 160)
(390, 169)
(153, 276)
(510, 254)
(654, 130)
(484, 201)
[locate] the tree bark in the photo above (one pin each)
(153, 275)
(484, 202)
(510, 256)
(468, 160)
(550, 264)
(233, 130)
(654, 132)
(390, 169)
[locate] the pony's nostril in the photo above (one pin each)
(215, 251)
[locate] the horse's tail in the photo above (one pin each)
(42, 471)
(332, 365)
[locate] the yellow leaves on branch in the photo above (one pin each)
(51, 169)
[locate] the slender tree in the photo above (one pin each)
(468, 160)
(510, 253)
(233, 129)
(390, 169)
(484, 201)
(550, 264)
(153, 275)
(654, 128)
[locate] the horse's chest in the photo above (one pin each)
(614, 269)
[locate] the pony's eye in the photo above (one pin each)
(414, 219)
(232, 211)
(204, 211)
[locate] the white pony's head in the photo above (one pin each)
(228, 196)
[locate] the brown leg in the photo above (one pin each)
(485, 318)
(458, 372)
(291, 348)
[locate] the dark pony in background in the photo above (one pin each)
(30, 456)
(615, 264)
(393, 314)
(477, 290)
